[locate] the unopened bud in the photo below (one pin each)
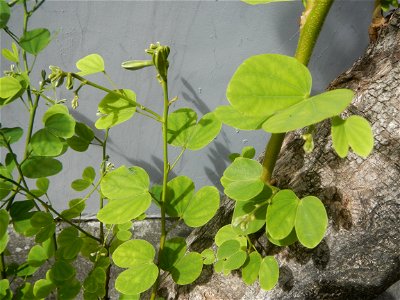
(136, 64)
(74, 102)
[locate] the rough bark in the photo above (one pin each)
(360, 256)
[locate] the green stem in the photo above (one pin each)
(311, 23)
(165, 181)
(142, 107)
(103, 172)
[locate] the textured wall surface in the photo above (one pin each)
(208, 40)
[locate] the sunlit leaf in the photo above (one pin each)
(339, 137)
(204, 132)
(230, 116)
(232, 254)
(180, 191)
(9, 86)
(208, 256)
(359, 135)
(76, 207)
(137, 279)
(251, 268)
(90, 64)
(34, 41)
(37, 256)
(187, 269)
(227, 233)
(268, 273)
(43, 288)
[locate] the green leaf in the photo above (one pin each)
(78, 144)
(255, 2)
(136, 279)
(248, 152)
(187, 269)
(9, 86)
(45, 143)
(180, 191)
(61, 125)
(43, 184)
(3, 242)
(267, 83)
(242, 179)
(310, 111)
(5, 13)
(202, 207)
(115, 109)
(251, 268)
(45, 233)
(249, 216)
(80, 184)
(5, 186)
(35, 40)
(181, 124)
(84, 131)
(289, 240)
(10, 55)
(339, 137)
(281, 214)
(204, 132)
(230, 116)
(53, 110)
(10, 135)
(41, 219)
(69, 289)
(61, 271)
(269, 273)
(89, 174)
(133, 253)
(69, 243)
(43, 288)
(21, 215)
(4, 220)
(124, 235)
(37, 256)
(359, 135)
(37, 167)
(90, 64)
(4, 286)
(124, 183)
(232, 255)
(174, 249)
(311, 221)
(76, 207)
(208, 256)
(227, 233)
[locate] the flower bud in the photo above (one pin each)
(136, 64)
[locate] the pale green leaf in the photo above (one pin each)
(251, 268)
(136, 279)
(134, 253)
(310, 111)
(208, 256)
(90, 64)
(180, 192)
(115, 109)
(9, 54)
(339, 137)
(359, 135)
(181, 124)
(232, 254)
(230, 116)
(187, 269)
(43, 288)
(268, 273)
(289, 240)
(37, 256)
(9, 86)
(261, 86)
(53, 110)
(204, 132)
(311, 221)
(227, 233)
(281, 214)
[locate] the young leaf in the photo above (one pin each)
(37, 167)
(10, 135)
(89, 174)
(242, 179)
(311, 221)
(80, 184)
(9, 86)
(264, 84)
(359, 135)
(115, 109)
(204, 132)
(208, 256)
(232, 255)
(4, 287)
(133, 253)
(45, 143)
(8, 54)
(4, 13)
(251, 268)
(227, 233)
(310, 111)
(43, 288)
(53, 110)
(90, 64)
(181, 124)
(35, 40)
(281, 214)
(339, 137)
(76, 207)
(248, 152)
(269, 273)
(230, 116)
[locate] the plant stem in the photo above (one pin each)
(312, 21)
(165, 181)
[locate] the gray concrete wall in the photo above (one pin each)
(208, 40)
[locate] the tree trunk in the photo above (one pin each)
(360, 256)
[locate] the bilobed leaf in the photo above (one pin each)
(4, 13)
(45, 143)
(248, 152)
(180, 191)
(133, 253)
(9, 86)
(281, 214)
(115, 109)
(37, 167)
(181, 124)
(53, 110)
(242, 179)
(202, 207)
(204, 132)
(311, 221)
(232, 254)
(137, 279)
(230, 116)
(261, 86)
(43, 288)
(61, 125)
(80, 184)
(227, 233)
(61, 271)
(8, 54)
(35, 40)
(124, 210)
(208, 256)
(310, 111)
(76, 207)
(37, 256)
(251, 268)
(187, 269)
(174, 249)
(268, 273)
(90, 64)
(10, 135)
(89, 174)
(359, 135)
